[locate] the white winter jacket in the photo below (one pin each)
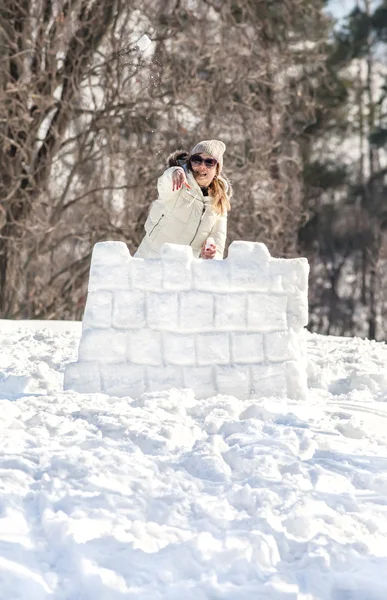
(182, 216)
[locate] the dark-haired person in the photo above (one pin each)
(192, 204)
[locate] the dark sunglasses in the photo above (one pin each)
(198, 160)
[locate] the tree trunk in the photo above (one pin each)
(25, 163)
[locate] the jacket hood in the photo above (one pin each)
(178, 158)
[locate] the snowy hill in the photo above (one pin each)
(174, 497)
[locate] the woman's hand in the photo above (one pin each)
(179, 179)
(208, 250)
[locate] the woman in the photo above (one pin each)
(194, 198)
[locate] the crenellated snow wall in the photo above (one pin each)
(233, 326)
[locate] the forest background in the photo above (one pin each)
(87, 121)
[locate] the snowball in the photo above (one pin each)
(143, 43)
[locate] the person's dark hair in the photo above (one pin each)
(178, 158)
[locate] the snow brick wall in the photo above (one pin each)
(233, 326)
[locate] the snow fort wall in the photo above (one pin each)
(233, 326)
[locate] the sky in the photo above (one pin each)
(340, 8)
(170, 496)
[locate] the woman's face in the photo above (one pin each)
(204, 168)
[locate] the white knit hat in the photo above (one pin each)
(214, 148)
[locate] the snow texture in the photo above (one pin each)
(234, 326)
(176, 497)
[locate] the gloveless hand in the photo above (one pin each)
(179, 179)
(208, 252)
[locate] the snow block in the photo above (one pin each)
(109, 266)
(233, 326)
(98, 312)
(249, 266)
(176, 264)
(83, 377)
(196, 311)
(117, 378)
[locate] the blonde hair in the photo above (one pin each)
(219, 194)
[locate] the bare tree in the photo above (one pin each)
(87, 123)
(46, 49)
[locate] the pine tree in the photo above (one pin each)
(349, 215)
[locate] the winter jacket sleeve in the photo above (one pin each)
(164, 185)
(219, 233)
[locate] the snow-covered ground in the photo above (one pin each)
(174, 497)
